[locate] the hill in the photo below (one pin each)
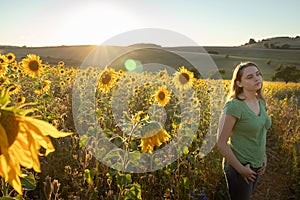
(277, 43)
(222, 57)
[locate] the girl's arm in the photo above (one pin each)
(224, 132)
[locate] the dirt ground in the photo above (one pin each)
(276, 182)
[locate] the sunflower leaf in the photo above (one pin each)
(4, 98)
(28, 181)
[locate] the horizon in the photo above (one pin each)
(36, 23)
(78, 45)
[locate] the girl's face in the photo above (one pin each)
(251, 79)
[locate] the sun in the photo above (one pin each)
(95, 22)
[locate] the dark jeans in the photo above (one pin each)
(237, 186)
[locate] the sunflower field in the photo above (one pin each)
(101, 133)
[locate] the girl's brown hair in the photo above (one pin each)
(235, 90)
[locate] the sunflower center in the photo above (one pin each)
(184, 78)
(106, 78)
(34, 65)
(10, 125)
(161, 95)
(1, 60)
(9, 57)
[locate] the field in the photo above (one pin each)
(224, 58)
(104, 106)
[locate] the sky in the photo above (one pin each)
(94, 22)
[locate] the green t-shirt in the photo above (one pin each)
(248, 139)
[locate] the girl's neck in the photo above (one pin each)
(248, 96)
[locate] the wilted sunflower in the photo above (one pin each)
(3, 64)
(183, 79)
(32, 65)
(162, 96)
(153, 134)
(11, 57)
(107, 79)
(21, 138)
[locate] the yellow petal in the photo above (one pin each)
(13, 176)
(41, 139)
(46, 128)
(4, 152)
(20, 150)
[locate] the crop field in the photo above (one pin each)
(128, 135)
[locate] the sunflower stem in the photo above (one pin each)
(3, 187)
(127, 144)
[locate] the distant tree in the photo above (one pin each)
(288, 73)
(252, 41)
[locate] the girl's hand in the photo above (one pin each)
(248, 174)
(262, 170)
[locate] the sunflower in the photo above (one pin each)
(183, 79)
(32, 65)
(14, 89)
(4, 80)
(61, 63)
(21, 138)
(46, 85)
(62, 72)
(15, 68)
(3, 64)
(21, 100)
(11, 57)
(62, 84)
(107, 80)
(153, 134)
(162, 96)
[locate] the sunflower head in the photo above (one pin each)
(11, 57)
(21, 100)
(183, 79)
(3, 64)
(61, 64)
(162, 96)
(153, 134)
(21, 139)
(14, 89)
(107, 79)
(32, 65)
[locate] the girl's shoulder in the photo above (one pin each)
(234, 101)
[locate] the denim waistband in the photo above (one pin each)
(253, 168)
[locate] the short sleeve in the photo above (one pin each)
(232, 108)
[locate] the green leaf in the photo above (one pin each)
(83, 141)
(134, 193)
(87, 176)
(4, 97)
(28, 181)
(123, 180)
(6, 198)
